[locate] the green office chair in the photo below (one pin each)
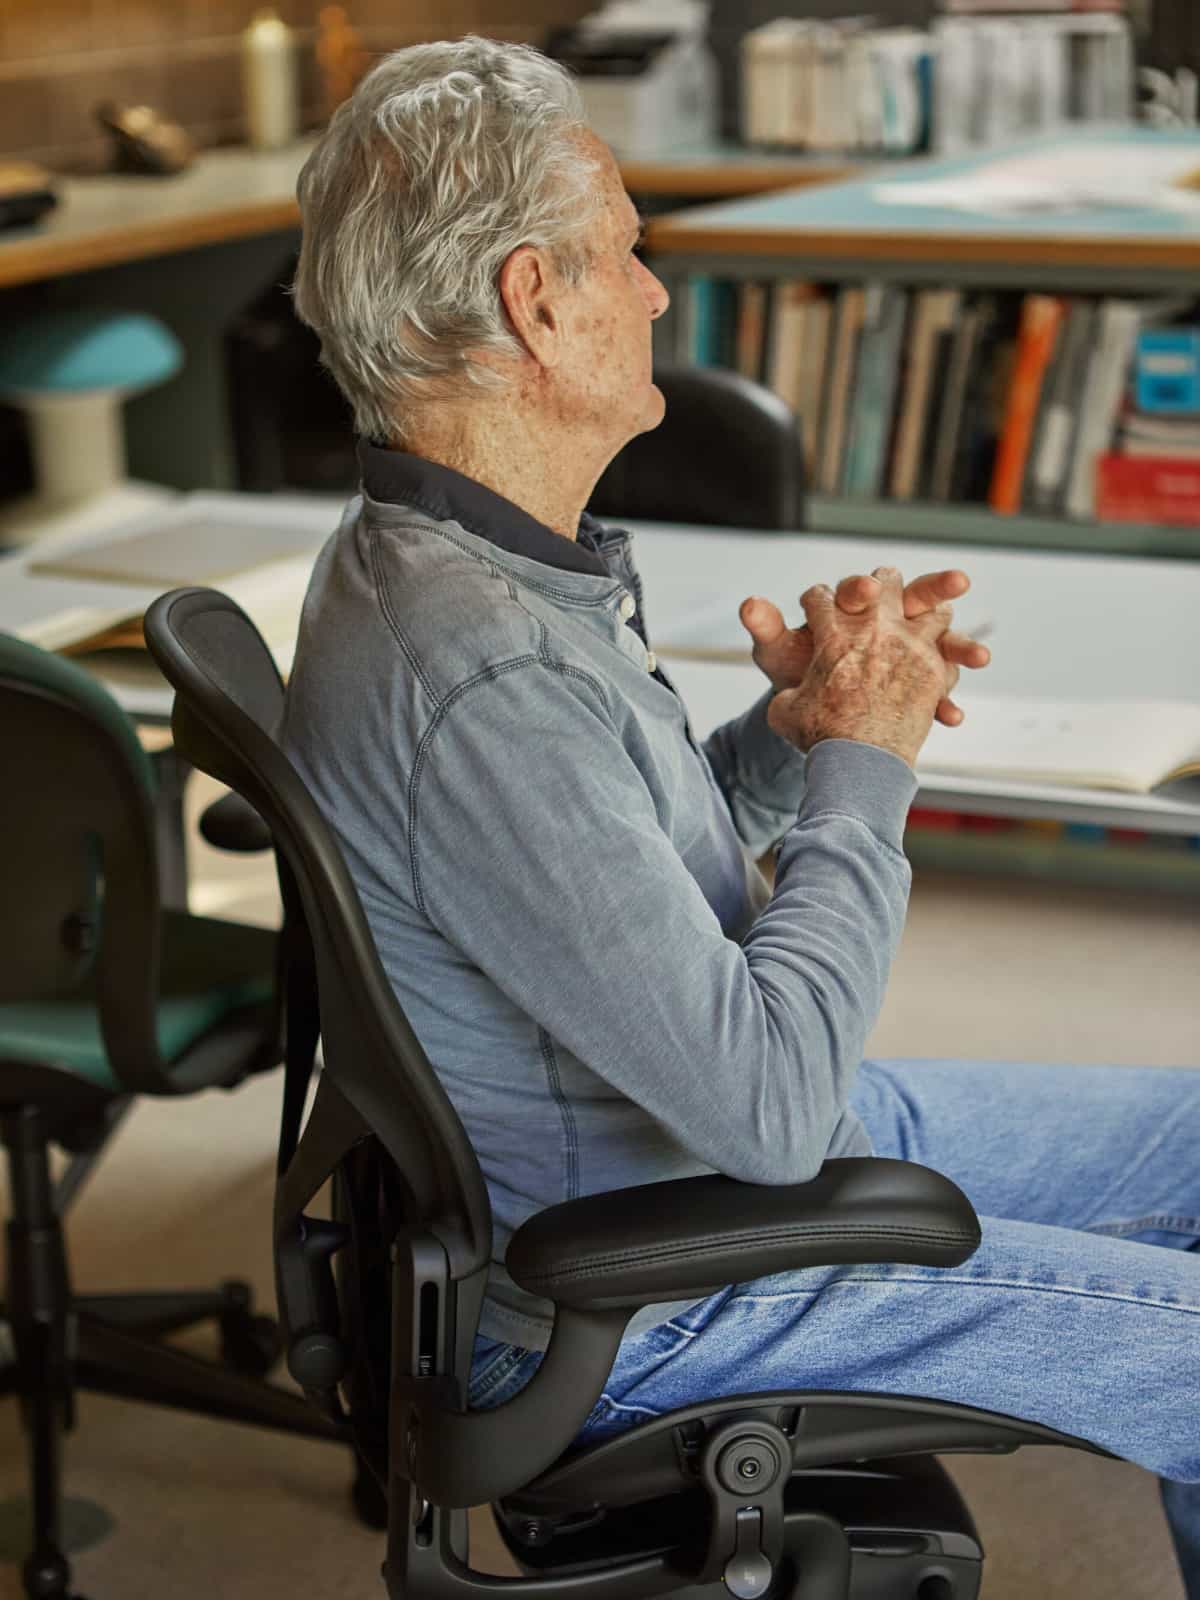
(785, 1495)
(105, 996)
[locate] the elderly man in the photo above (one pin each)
(560, 878)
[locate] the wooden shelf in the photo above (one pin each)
(1066, 860)
(974, 524)
(730, 172)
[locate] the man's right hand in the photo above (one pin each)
(876, 676)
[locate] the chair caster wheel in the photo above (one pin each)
(46, 1578)
(370, 1502)
(250, 1345)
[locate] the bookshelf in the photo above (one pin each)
(849, 234)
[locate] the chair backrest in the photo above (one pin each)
(228, 706)
(727, 452)
(77, 848)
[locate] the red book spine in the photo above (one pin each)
(1152, 489)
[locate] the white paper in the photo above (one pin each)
(1082, 176)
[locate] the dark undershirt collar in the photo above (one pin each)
(399, 478)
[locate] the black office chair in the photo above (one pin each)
(105, 996)
(818, 1495)
(727, 452)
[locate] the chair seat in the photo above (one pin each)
(210, 970)
(661, 1455)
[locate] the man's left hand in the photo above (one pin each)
(785, 654)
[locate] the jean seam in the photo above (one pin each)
(1126, 1296)
(1162, 1222)
(493, 1376)
(619, 1405)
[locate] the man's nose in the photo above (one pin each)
(657, 297)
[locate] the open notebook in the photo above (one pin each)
(1129, 745)
(265, 569)
(1134, 745)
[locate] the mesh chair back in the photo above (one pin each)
(228, 707)
(77, 851)
(727, 453)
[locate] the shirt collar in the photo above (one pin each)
(397, 477)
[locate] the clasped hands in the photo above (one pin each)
(875, 660)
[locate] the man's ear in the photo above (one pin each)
(531, 295)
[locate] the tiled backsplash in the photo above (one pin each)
(60, 58)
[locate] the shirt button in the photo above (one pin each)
(651, 661)
(627, 607)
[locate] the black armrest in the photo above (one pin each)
(666, 1241)
(232, 823)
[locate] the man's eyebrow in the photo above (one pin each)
(639, 226)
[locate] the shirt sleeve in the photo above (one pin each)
(760, 774)
(537, 851)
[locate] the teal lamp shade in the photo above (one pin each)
(69, 371)
(84, 350)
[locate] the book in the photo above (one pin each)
(199, 550)
(751, 329)
(711, 312)
(1167, 371)
(1148, 489)
(1041, 320)
(943, 353)
(1158, 436)
(1121, 746)
(1062, 401)
(266, 570)
(874, 391)
(1108, 369)
(934, 311)
(813, 363)
(948, 427)
(851, 306)
(785, 355)
(1131, 745)
(984, 402)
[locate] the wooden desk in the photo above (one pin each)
(846, 230)
(725, 170)
(101, 221)
(240, 194)
(1054, 619)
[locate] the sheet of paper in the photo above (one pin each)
(1078, 176)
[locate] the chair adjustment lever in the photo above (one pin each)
(745, 1466)
(316, 1352)
(748, 1572)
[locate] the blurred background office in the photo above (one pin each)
(1002, 370)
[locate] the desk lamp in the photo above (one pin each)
(70, 372)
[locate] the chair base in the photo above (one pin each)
(882, 1530)
(111, 1344)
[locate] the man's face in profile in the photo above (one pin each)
(609, 370)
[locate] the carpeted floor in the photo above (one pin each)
(189, 1508)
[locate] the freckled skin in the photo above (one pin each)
(582, 387)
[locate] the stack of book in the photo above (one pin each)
(834, 86)
(1000, 76)
(1026, 403)
(1152, 474)
(981, 75)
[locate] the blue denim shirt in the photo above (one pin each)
(560, 878)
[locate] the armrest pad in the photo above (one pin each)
(232, 823)
(665, 1241)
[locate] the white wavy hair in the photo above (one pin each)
(445, 159)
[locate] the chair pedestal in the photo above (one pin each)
(110, 1344)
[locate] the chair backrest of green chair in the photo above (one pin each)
(77, 852)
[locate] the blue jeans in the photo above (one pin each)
(1080, 1309)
